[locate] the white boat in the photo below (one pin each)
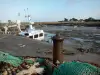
(31, 32)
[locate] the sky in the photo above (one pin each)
(49, 10)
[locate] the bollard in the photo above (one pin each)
(57, 49)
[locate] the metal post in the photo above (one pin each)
(57, 49)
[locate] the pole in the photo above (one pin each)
(57, 49)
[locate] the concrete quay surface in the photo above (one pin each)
(21, 46)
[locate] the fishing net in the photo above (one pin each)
(47, 67)
(28, 61)
(76, 68)
(67, 68)
(40, 60)
(7, 58)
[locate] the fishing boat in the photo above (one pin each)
(33, 33)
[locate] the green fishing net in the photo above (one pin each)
(67, 68)
(47, 67)
(7, 58)
(40, 60)
(76, 68)
(29, 61)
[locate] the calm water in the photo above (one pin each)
(55, 28)
(48, 37)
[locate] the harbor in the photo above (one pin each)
(35, 53)
(72, 42)
(50, 37)
(57, 46)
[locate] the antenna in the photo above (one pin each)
(27, 15)
(18, 14)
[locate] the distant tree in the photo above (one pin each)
(0, 22)
(81, 20)
(65, 19)
(73, 19)
(9, 21)
(60, 21)
(89, 19)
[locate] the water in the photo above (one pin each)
(72, 40)
(77, 39)
(62, 28)
(48, 37)
(66, 28)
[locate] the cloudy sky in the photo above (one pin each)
(49, 10)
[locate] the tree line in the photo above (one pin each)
(90, 19)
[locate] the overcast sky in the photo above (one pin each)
(49, 10)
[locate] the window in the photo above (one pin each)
(26, 34)
(36, 36)
(30, 36)
(41, 34)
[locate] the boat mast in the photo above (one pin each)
(19, 23)
(27, 15)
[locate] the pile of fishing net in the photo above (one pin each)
(15, 65)
(76, 68)
(7, 58)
